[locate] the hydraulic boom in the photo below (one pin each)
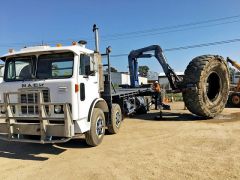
(233, 63)
(174, 80)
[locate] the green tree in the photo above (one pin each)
(55, 71)
(143, 70)
(112, 69)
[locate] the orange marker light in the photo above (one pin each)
(59, 45)
(74, 43)
(11, 50)
(76, 88)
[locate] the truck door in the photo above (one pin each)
(88, 85)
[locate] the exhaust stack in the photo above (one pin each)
(95, 30)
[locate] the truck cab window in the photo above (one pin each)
(21, 68)
(53, 66)
(84, 64)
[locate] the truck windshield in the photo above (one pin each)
(51, 66)
(46, 66)
(20, 68)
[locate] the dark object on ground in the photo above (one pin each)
(166, 107)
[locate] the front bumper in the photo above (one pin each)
(42, 127)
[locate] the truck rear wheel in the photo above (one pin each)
(97, 130)
(235, 99)
(209, 76)
(116, 119)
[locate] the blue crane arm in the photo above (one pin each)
(158, 53)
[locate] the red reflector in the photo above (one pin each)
(76, 87)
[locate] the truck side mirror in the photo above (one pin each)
(87, 65)
(93, 65)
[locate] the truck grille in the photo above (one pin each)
(32, 100)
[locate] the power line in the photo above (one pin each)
(190, 46)
(171, 31)
(203, 45)
(174, 26)
(157, 33)
(149, 32)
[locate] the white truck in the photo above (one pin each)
(53, 94)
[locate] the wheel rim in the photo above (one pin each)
(235, 100)
(99, 127)
(118, 119)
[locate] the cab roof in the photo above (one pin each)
(41, 49)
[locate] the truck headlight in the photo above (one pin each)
(58, 109)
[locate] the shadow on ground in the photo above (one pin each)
(169, 116)
(30, 151)
(27, 151)
(178, 116)
(74, 143)
(229, 105)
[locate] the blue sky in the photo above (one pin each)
(31, 22)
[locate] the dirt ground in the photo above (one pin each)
(181, 146)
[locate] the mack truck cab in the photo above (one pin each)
(51, 94)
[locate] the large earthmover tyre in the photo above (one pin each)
(208, 76)
(97, 130)
(116, 119)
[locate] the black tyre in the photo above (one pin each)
(97, 130)
(235, 99)
(116, 119)
(141, 105)
(209, 76)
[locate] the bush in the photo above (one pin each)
(174, 96)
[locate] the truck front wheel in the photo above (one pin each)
(116, 119)
(96, 133)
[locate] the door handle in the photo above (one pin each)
(82, 91)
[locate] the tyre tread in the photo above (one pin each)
(194, 73)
